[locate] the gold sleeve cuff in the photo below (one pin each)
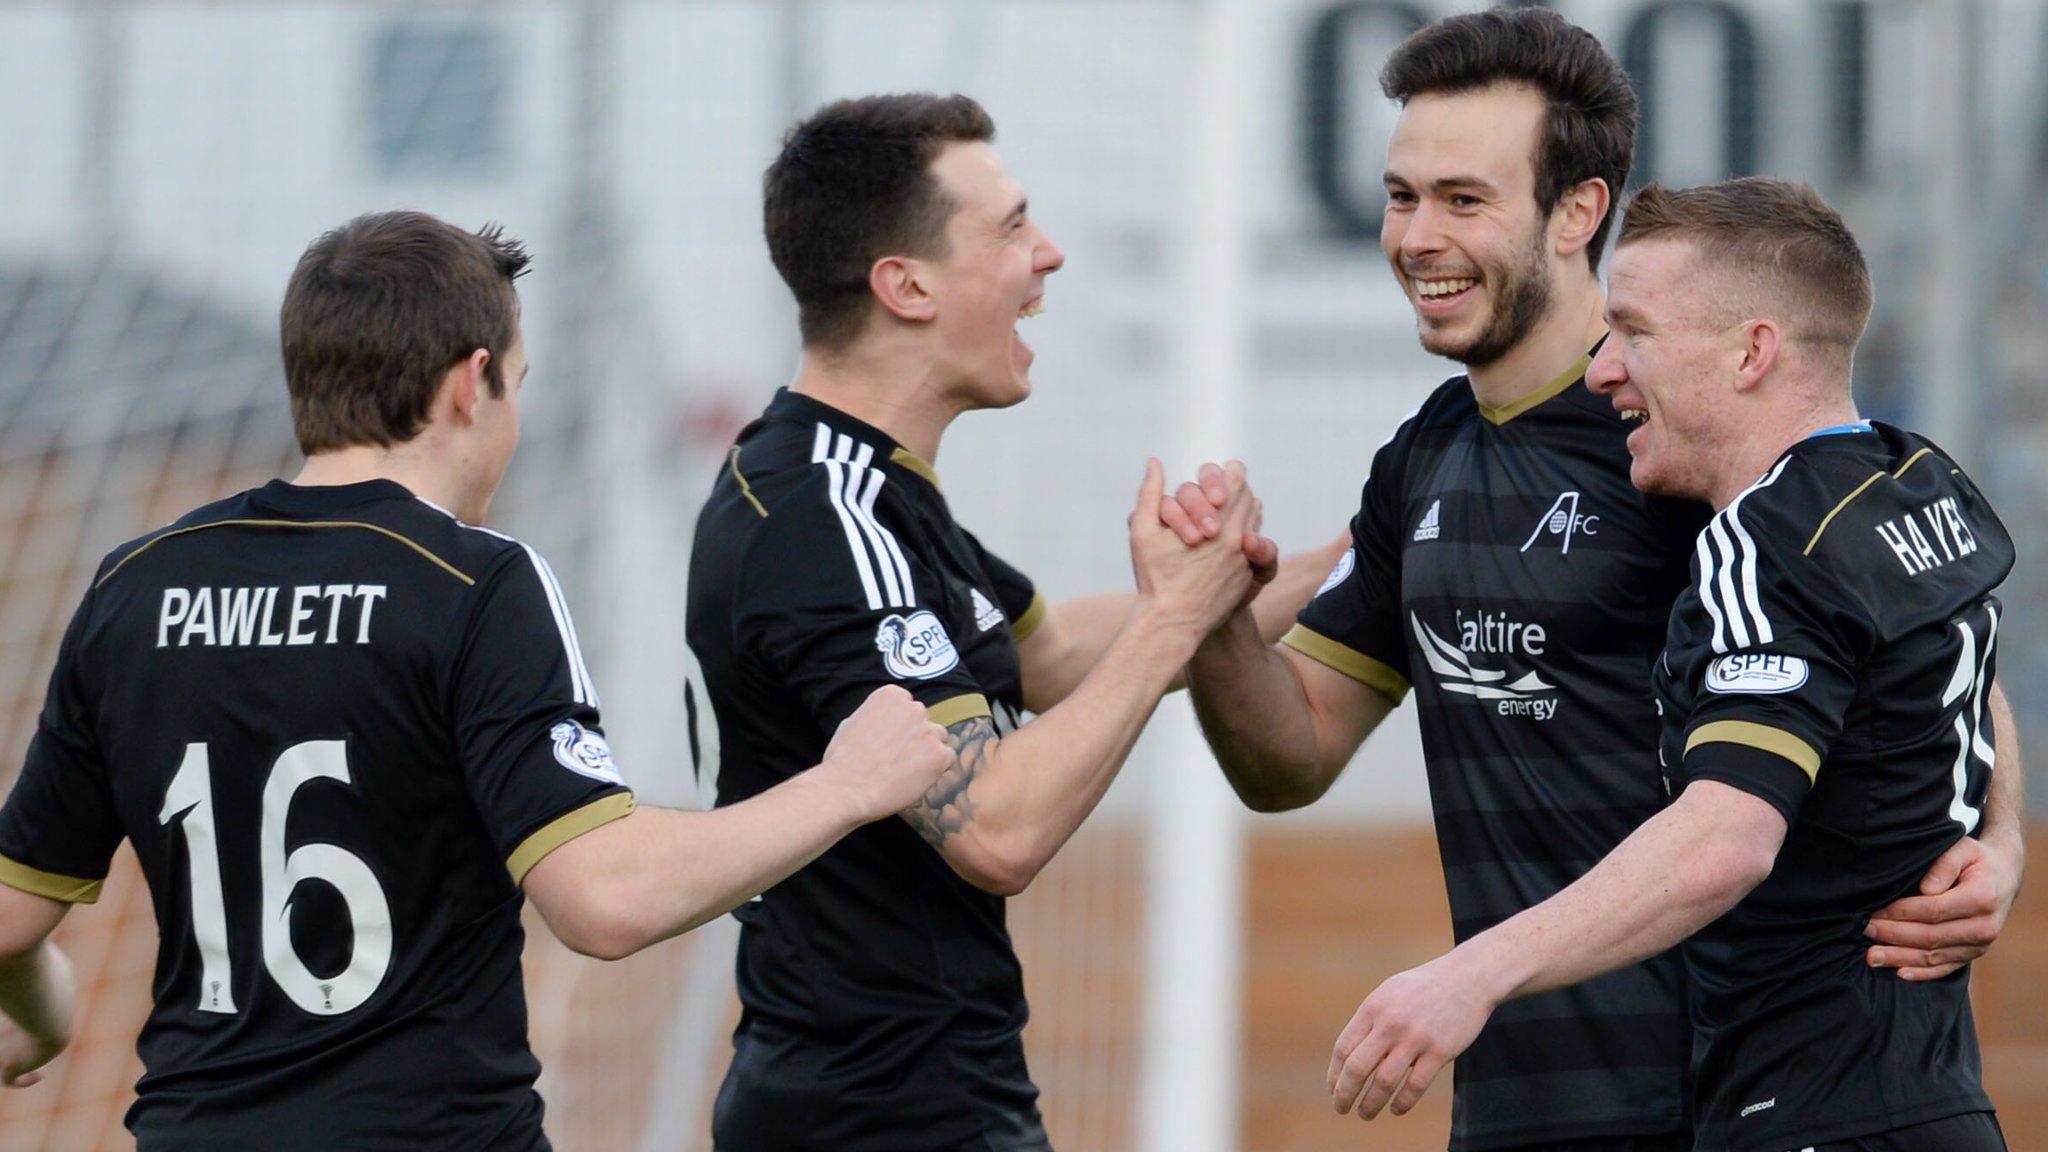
(1763, 737)
(563, 829)
(1350, 662)
(69, 889)
(947, 713)
(1031, 619)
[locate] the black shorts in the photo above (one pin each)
(775, 1099)
(1970, 1132)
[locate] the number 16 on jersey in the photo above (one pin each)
(188, 802)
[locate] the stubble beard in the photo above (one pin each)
(1523, 297)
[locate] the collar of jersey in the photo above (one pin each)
(793, 405)
(287, 497)
(1550, 391)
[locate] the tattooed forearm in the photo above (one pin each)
(947, 808)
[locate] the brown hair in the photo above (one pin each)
(1590, 132)
(852, 185)
(378, 309)
(1781, 234)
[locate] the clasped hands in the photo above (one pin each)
(1197, 551)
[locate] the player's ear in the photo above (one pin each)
(1578, 214)
(1762, 343)
(899, 283)
(464, 384)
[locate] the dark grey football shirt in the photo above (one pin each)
(1504, 566)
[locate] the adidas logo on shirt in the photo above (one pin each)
(1430, 526)
(986, 615)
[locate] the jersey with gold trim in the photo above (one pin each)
(883, 1004)
(1503, 564)
(1833, 657)
(337, 726)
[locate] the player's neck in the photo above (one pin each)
(896, 398)
(1772, 433)
(360, 463)
(1576, 322)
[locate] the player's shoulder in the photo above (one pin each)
(828, 532)
(803, 482)
(1909, 512)
(480, 553)
(1440, 416)
(1448, 407)
(1828, 490)
(226, 509)
(1880, 522)
(380, 514)
(1781, 509)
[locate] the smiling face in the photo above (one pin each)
(1669, 367)
(1462, 230)
(991, 276)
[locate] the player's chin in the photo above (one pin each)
(1450, 339)
(1015, 386)
(1644, 473)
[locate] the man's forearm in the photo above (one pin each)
(657, 873)
(1073, 636)
(1034, 788)
(1256, 717)
(36, 993)
(1676, 874)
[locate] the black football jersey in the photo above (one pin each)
(883, 1003)
(1832, 656)
(1503, 565)
(338, 727)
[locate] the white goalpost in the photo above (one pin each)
(1195, 847)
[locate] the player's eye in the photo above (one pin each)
(1462, 201)
(1401, 197)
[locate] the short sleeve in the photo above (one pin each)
(59, 828)
(1353, 624)
(1019, 599)
(1785, 649)
(836, 601)
(528, 735)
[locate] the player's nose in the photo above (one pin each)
(1049, 257)
(1422, 233)
(1606, 373)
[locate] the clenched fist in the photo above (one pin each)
(889, 752)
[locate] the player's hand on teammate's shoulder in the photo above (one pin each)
(1195, 586)
(1195, 513)
(1404, 1034)
(1960, 911)
(889, 750)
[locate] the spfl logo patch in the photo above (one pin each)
(1345, 564)
(582, 751)
(1756, 673)
(916, 648)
